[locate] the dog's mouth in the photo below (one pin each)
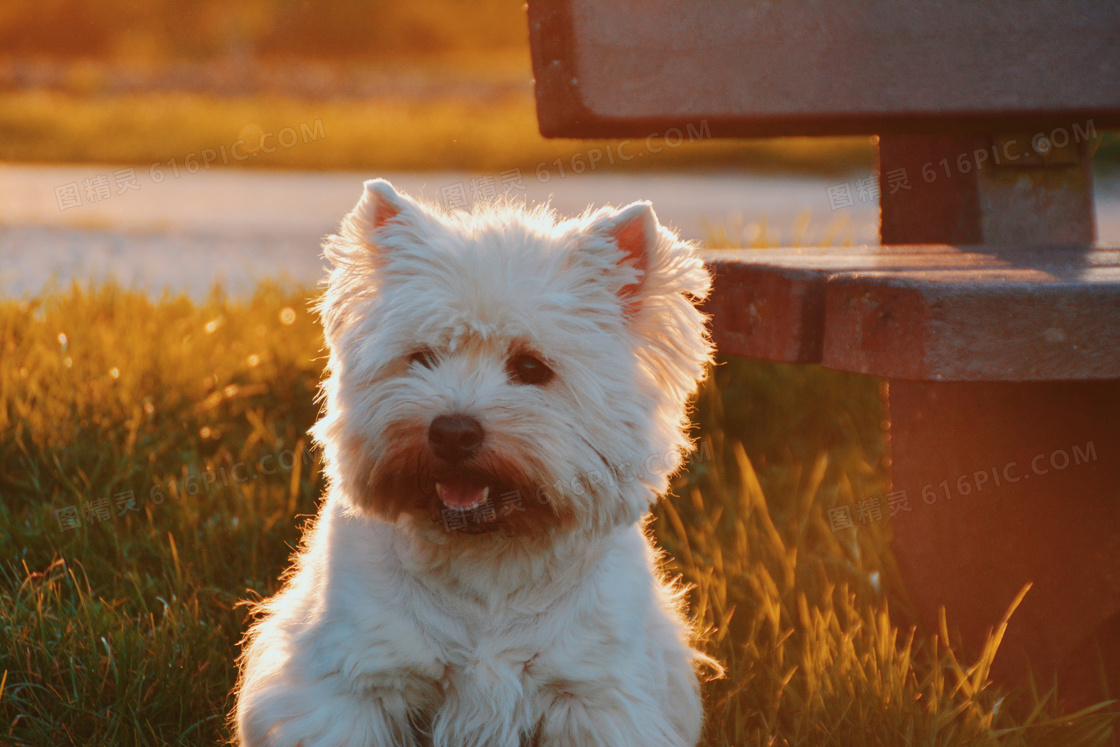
(472, 497)
(471, 501)
(462, 493)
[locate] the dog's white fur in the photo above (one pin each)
(392, 630)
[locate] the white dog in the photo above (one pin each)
(503, 391)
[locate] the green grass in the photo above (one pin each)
(123, 632)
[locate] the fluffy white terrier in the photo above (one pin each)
(505, 393)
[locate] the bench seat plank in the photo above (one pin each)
(937, 313)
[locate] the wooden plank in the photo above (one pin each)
(936, 313)
(731, 68)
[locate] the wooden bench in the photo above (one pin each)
(988, 308)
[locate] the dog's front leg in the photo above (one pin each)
(598, 717)
(485, 705)
(324, 714)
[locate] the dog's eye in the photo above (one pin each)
(425, 358)
(525, 369)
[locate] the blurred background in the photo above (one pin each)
(405, 85)
(232, 136)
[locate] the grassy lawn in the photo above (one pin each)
(179, 426)
(483, 120)
(492, 133)
(423, 85)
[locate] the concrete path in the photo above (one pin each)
(188, 232)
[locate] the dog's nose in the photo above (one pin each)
(455, 437)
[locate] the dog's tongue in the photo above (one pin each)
(462, 493)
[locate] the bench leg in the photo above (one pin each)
(1012, 483)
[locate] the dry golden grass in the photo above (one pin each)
(123, 631)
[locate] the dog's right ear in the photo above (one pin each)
(381, 203)
(383, 218)
(380, 207)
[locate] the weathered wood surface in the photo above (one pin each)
(936, 313)
(1010, 483)
(613, 68)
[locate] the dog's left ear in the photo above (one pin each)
(634, 231)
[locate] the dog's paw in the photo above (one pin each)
(293, 718)
(485, 706)
(605, 722)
